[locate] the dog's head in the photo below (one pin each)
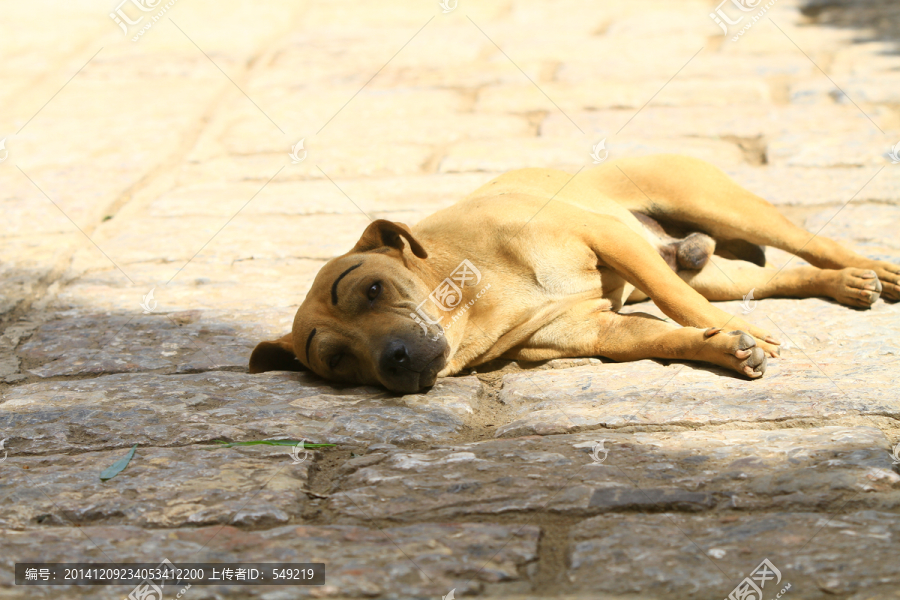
(355, 324)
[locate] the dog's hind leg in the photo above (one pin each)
(724, 279)
(699, 196)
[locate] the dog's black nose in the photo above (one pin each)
(395, 356)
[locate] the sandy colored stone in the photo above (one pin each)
(572, 153)
(853, 149)
(815, 185)
(387, 195)
(25, 261)
(717, 93)
(248, 292)
(176, 240)
(741, 119)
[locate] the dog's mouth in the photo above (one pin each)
(428, 376)
(410, 381)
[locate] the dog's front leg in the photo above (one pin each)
(621, 249)
(587, 331)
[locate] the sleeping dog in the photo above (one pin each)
(536, 264)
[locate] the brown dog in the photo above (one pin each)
(535, 265)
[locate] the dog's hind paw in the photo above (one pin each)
(889, 275)
(859, 288)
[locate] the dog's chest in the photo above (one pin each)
(570, 269)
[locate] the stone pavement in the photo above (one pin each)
(163, 165)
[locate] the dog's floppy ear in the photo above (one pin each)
(277, 355)
(382, 233)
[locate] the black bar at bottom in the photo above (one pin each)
(156, 575)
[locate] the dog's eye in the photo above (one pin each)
(374, 291)
(334, 361)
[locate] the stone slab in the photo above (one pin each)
(865, 227)
(390, 194)
(741, 119)
(179, 239)
(180, 342)
(832, 365)
(787, 186)
(417, 561)
(116, 411)
(251, 292)
(826, 468)
(255, 486)
(573, 152)
(676, 555)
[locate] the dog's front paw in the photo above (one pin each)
(736, 350)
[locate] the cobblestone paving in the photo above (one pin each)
(155, 228)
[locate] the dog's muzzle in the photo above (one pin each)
(408, 366)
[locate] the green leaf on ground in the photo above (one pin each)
(118, 466)
(266, 443)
